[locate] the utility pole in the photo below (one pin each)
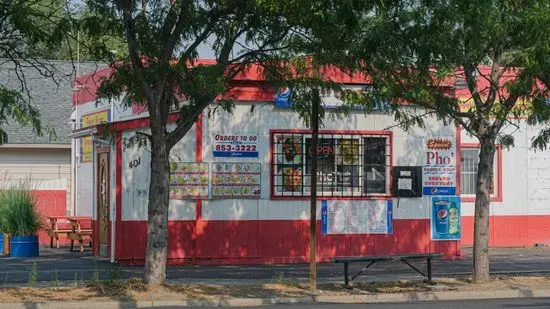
(315, 102)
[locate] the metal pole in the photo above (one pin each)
(315, 102)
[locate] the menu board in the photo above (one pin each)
(188, 180)
(236, 180)
(356, 217)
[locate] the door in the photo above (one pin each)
(103, 186)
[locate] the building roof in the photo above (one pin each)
(52, 98)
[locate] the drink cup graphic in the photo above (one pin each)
(454, 218)
(442, 219)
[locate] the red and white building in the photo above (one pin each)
(261, 215)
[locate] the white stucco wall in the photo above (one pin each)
(525, 177)
(407, 150)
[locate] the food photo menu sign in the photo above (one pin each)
(188, 180)
(236, 180)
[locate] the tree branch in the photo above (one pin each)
(174, 29)
(134, 53)
(472, 86)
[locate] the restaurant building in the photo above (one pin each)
(240, 182)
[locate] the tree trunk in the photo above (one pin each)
(483, 201)
(157, 219)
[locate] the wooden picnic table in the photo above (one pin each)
(78, 232)
(58, 225)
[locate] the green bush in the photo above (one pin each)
(2, 217)
(18, 213)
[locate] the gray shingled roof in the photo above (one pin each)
(54, 100)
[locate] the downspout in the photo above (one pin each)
(73, 169)
(75, 157)
(94, 186)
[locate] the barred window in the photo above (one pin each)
(348, 165)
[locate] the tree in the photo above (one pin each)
(79, 41)
(24, 24)
(163, 38)
(414, 49)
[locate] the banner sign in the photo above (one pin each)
(445, 223)
(235, 145)
(86, 146)
(236, 180)
(439, 170)
(357, 217)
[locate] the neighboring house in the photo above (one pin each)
(44, 160)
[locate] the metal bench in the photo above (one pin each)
(370, 260)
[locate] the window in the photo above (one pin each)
(348, 165)
(469, 158)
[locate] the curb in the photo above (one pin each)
(249, 302)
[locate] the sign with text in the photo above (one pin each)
(86, 144)
(439, 169)
(357, 217)
(445, 223)
(239, 145)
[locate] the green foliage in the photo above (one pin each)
(20, 217)
(26, 26)
(162, 69)
(77, 36)
(55, 278)
(33, 275)
(14, 106)
(414, 50)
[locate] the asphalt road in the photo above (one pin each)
(62, 265)
(529, 303)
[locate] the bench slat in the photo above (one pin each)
(353, 259)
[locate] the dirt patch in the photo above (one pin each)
(135, 290)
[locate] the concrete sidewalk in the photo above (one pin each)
(65, 267)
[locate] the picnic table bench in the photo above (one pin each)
(81, 227)
(75, 228)
(370, 260)
(59, 225)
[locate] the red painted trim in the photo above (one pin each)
(118, 230)
(198, 203)
(134, 124)
(331, 198)
(363, 132)
(388, 173)
(511, 231)
(458, 157)
(272, 195)
(271, 164)
(498, 196)
(198, 139)
(266, 241)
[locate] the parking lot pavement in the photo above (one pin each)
(62, 265)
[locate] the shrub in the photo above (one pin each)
(2, 216)
(18, 213)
